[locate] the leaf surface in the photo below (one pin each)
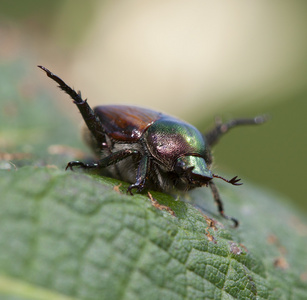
(72, 235)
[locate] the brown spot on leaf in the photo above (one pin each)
(159, 206)
(10, 156)
(244, 248)
(281, 263)
(211, 222)
(273, 240)
(54, 167)
(116, 188)
(210, 236)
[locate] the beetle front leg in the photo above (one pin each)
(213, 136)
(141, 175)
(80, 164)
(105, 162)
(220, 205)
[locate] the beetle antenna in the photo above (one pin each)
(235, 180)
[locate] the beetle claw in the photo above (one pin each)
(130, 188)
(235, 181)
(80, 164)
(139, 188)
(75, 163)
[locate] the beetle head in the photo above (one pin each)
(194, 169)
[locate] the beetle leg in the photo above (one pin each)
(92, 121)
(141, 175)
(80, 164)
(107, 161)
(115, 157)
(220, 205)
(213, 136)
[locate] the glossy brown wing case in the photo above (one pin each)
(125, 123)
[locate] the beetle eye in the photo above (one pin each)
(180, 167)
(194, 168)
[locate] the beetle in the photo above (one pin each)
(150, 149)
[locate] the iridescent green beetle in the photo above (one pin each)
(150, 149)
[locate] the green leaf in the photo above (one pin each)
(68, 235)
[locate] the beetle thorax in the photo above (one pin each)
(169, 138)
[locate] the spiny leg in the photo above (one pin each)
(213, 136)
(220, 205)
(107, 161)
(92, 121)
(142, 171)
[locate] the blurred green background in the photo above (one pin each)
(192, 59)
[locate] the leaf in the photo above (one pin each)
(66, 235)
